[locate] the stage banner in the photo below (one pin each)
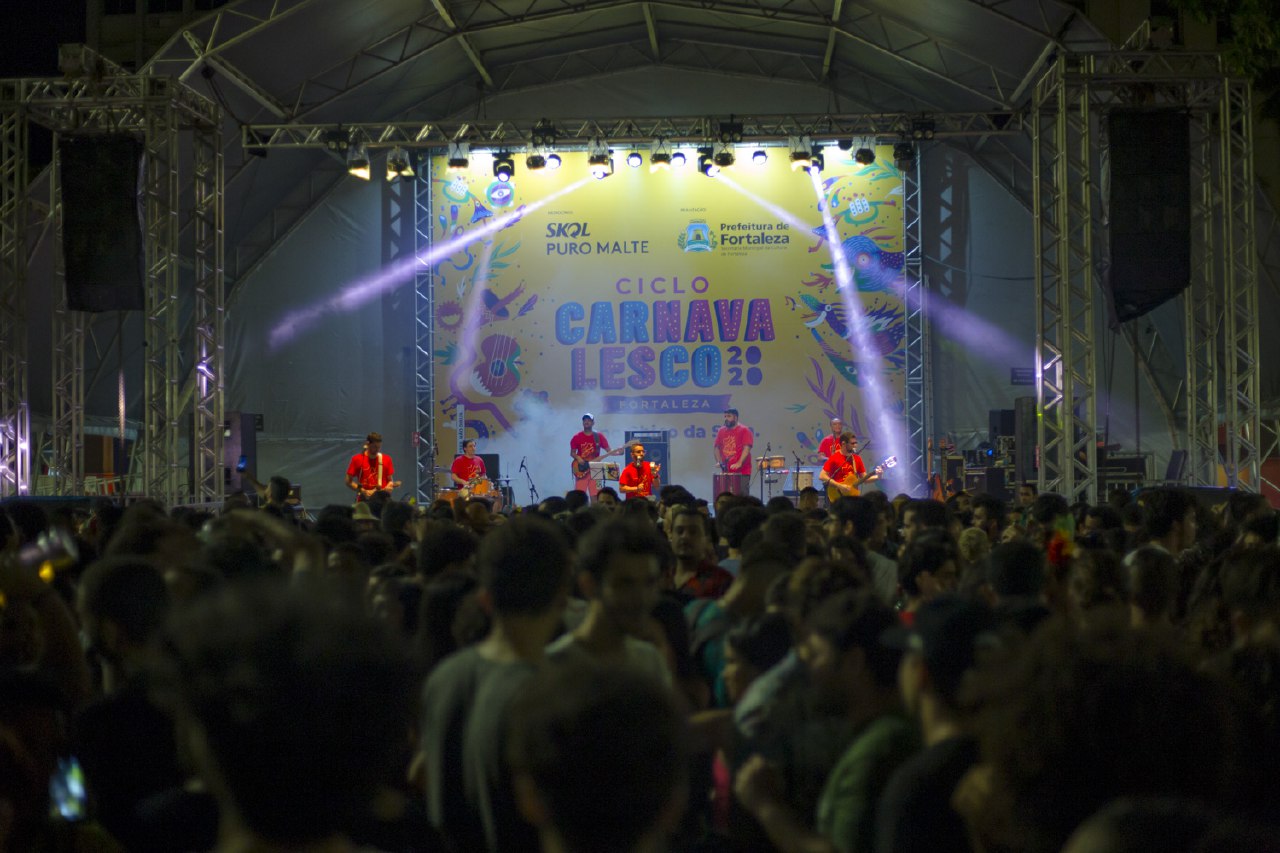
(656, 300)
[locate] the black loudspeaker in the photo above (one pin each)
(239, 440)
(1024, 430)
(492, 464)
(1000, 422)
(989, 480)
(656, 450)
(102, 222)
(1150, 209)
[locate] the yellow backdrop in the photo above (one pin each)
(655, 300)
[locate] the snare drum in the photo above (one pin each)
(738, 484)
(483, 489)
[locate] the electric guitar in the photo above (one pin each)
(849, 486)
(582, 467)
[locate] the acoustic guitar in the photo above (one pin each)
(853, 481)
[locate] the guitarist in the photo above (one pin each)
(844, 472)
(371, 470)
(584, 447)
(468, 469)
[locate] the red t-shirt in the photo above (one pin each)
(829, 445)
(468, 468)
(633, 476)
(729, 443)
(839, 467)
(365, 471)
(588, 447)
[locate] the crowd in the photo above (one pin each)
(882, 675)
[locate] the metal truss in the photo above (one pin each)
(208, 315)
(576, 133)
(1064, 191)
(97, 97)
(15, 414)
(424, 313)
(66, 465)
(918, 362)
(1221, 305)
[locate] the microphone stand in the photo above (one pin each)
(534, 497)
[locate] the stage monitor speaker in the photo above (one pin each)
(492, 464)
(656, 450)
(1150, 209)
(1000, 422)
(239, 441)
(1024, 451)
(102, 222)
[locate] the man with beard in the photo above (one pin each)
(696, 575)
(852, 673)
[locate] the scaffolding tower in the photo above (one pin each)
(1070, 163)
(182, 180)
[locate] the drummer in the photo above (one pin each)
(468, 468)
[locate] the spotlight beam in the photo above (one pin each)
(889, 431)
(352, 296)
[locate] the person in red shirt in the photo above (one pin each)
(733, 449)
(468, 468)
(845, 472)
(638, 478)
(585, 447)
(831, 443)
(371, 470)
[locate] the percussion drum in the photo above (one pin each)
(448, 495)
(803, 480)
(483, 489)
(738, 484)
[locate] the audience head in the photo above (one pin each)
(600, 758)
(929, 565)
(523, 567)
(295, 706)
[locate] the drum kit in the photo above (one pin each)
(480, 487)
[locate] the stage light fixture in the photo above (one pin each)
(601, 166)
(553, 161)
(678, 159)
(817, 161)
(845, 144)
(730, 131)
(459, 156)
(706, 163)
(543, 134)
(398, 165)
(760, 157)
(634, 159)
(724, 157)
(904, 156)
(800, 156)
(503, 166)
(864, 156)
(535, 162)
(358, 161)
(659, 161)
(923, 129)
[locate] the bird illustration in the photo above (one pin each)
(872, 268)
(845, 366)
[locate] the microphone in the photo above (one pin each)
(522, 458)
(768, 447)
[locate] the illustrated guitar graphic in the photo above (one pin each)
(581, 468)
(850, 485)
